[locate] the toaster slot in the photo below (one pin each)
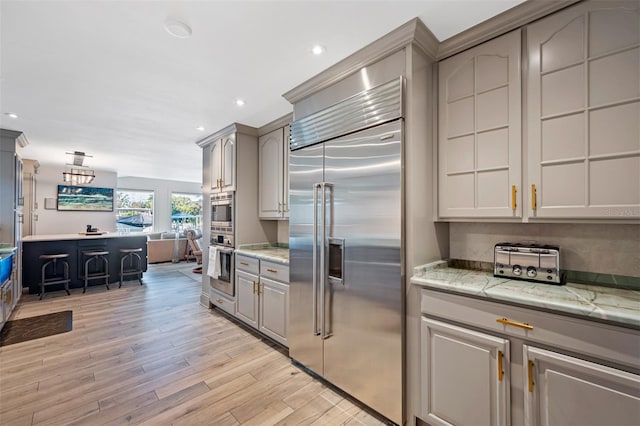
(525, 259)
(549, 262)
(502, 257)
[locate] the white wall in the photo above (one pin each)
(162, 196)
(600, 248)
(56, 222)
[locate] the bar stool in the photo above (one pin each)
(130, 254)
(95, 256)
(55, 278)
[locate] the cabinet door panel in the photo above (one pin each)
(614, 78)
(461, 384)
(274, 307)
(228, 173)
(215, 165)
(567, 390)
(285, 174)
(271, 147)
(583, 104)
(246, 299)
(479, 131)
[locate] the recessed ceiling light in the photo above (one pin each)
(201, 128)
(239, 102)
(318, 50)
(11, 114)
(177, 29)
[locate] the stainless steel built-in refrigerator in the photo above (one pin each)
(346, 293)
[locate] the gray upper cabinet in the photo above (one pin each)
(223, 164)
(479, 144)
(274, 174)
(583, 119)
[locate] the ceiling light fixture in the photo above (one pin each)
(177, 28)
(201, 128)
(318, 50)
(11, 114)
(75, 175)
(239, 102)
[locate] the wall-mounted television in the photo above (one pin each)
(85, 198)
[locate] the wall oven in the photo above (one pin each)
(223, 278)
(222, 217)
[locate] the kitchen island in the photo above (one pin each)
(75, 244)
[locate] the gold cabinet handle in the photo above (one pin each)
(533, 197)
(220, 301)
(259, 290)
(275, 271)
(514, 191)
(244, 263)
(530, 368)
(279, 207)
(506, 321)
(254, 287)
(500, 371)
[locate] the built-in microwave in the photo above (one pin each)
(222, 209)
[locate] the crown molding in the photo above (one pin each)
(413, 31)
(285, 120)
(230, 129)
(511, 19)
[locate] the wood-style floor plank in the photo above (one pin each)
(152, 355)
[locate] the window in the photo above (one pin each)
(186, 211)
(134, 211)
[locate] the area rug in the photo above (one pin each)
(22, 330)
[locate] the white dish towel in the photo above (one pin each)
(214, 261)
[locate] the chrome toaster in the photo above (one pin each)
(532, 262)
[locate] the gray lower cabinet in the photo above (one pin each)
(453, 356)
(274, 307)
(262, 301)
(247, 297)
(568, 390)
(493, 364)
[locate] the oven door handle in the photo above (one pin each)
(225, 251)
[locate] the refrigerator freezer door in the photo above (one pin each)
(305, 171)
(363, 310)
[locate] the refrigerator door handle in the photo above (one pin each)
(323, 259)
(314, 286)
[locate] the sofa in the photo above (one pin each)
(161, 246)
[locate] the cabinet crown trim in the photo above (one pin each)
(230, 129)
(275, 124)
(511, 19)
(412, 32)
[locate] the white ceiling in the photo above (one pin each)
(104, 77)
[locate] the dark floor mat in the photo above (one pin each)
(24, 329)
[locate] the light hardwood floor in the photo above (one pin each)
(152, 355)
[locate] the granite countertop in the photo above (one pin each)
(615, 305)
(80, 236)
(278, 252)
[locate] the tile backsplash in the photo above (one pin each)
(597, 248)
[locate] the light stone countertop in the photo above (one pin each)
(278, 253)
(614, 305)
